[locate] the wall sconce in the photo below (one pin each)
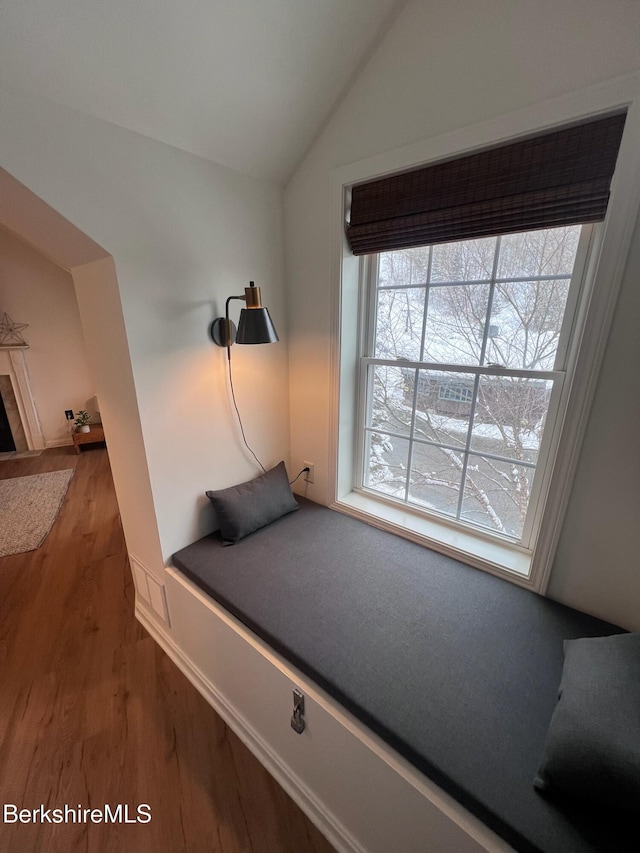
(254, 326)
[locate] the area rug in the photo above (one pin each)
(28, 508)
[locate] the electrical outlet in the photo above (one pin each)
(309, 475)
(68, 413)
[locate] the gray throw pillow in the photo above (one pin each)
(247, 507)
(592, 750)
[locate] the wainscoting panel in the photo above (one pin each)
(149, 590)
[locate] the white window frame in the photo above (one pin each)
(561, 375)
(605, 266)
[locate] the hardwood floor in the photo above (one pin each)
(92, 712)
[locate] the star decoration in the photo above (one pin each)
(10, 332)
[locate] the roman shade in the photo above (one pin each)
(557, 178)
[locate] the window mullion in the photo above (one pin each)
(509, 280)
(492, 288)
(416, 379)
(483, 370)
(465, 460)
(476, 384)
(426, 303)
(414, 404)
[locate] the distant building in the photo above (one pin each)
(501, 399)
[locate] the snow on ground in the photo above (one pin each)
(529, 439)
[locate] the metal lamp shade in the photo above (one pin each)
(256, 327)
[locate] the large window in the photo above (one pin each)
(464, 356)
(480, 301)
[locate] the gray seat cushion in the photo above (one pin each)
(456, 669)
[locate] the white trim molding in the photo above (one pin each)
(151, 594)
(16, 364)
(606, 266)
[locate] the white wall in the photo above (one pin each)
(184, 234)
(441, 67)
(33, 290)
(597, 565)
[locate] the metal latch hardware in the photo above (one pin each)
(297, 718)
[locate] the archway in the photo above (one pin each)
(92, 268)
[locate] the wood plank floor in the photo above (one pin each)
(92, 712)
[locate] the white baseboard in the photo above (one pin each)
(327, 824)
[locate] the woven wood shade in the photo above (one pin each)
(558, 178)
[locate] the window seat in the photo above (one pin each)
(455, 669)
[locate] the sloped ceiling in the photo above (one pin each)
(245, 83)
(26, 217)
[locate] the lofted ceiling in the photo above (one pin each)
(245, 83)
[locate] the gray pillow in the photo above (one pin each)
(592, 750)
(247, 507)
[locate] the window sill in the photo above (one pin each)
(500, 558)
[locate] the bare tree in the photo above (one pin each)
(494, 301)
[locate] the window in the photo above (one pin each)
(475, 296)
(464, 359)
(401, 210)
(448, 391)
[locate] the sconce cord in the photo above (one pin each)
(233, 396)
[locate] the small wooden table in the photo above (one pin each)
(94, 436)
